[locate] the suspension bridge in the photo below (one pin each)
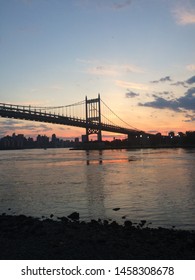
(92, 114)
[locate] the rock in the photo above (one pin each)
(27, 238)
(74, 216)
(114, 224)
(105, 222)
(116, 209)
(63, 219)
(142, 223)
(128, 224)
(94, 222)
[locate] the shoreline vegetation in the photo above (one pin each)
(68, 238)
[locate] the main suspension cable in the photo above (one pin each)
(119, 117)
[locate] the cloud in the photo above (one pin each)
(137, 86)
(190, 118)
(161, 103)
(164, 93)
(102, 70)
(184, 16)
(108, 4)
(169, 94)
(185, 84)
(95, 67)
(131, 94)
(191, 80)
(186, 102)
(122, 4)
(179, 83)
(8, 122)
(8, 126)
(165, 79)
(190, 67)
(153, 131)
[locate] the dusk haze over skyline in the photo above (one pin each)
(139, 55)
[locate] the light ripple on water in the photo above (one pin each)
(153, 185)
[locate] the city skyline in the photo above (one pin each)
(139, 56)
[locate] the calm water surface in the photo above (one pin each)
(155, 185)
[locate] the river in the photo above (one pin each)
(156, 185)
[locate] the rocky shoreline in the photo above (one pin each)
(28, 238)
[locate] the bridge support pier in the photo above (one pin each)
(93, 118)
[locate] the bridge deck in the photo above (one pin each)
(25, 113)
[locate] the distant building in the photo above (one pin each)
(42, 141)
(171, 134)
(55, 142)
(84, 138)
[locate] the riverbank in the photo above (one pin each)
(27, 238)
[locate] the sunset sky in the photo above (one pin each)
(138, 54)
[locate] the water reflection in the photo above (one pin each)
(153, 185)
(107, 157)
(91, 160)
(94, 173)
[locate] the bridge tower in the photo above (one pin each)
(93, 118)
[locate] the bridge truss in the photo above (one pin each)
(92, 114)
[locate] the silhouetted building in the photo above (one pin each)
(139, 140)
(171, 134)
(42, 141)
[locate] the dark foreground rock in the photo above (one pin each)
(27, 238)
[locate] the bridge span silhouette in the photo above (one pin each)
(92, 114)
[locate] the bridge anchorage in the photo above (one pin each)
(91, 114)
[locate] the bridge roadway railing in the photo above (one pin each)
(27, 113)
